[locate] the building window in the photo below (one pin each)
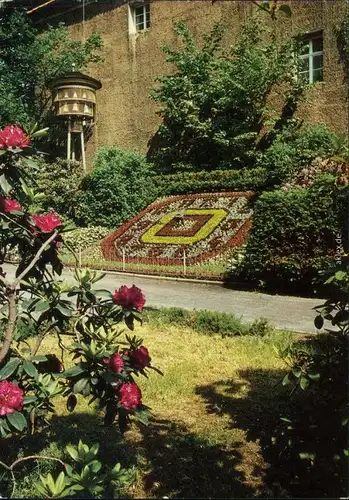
(312, 59)
(140, 17)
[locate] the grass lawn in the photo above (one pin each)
(213, 407)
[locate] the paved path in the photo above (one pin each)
(293, 313)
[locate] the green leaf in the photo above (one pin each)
(297, 372)
(116, 469)
(41, 306)
(77, 487)
(17, 420)
(80, 385)
(29, 399)
(129, 321)
(102, 293)
(30, 369)
(341, 317)
(29, 162)
(64, 310)
(73, 452)
(50, 483)
(67, 492)
(40, 133)
(319, 322)
(95, 466)
(304, 383)
(38, 359)
(60, 482)
(94, 449)
(71, 402)
(4, 184)
(286, 380)
(41, 489)
(72, 372)
(346, 452)
(9, 368)
(142, 416)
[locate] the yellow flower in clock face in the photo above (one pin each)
(201, 223)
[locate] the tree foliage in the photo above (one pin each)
(29, 58)
(216, 104)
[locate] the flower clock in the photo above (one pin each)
(202, 225)
(94, 357)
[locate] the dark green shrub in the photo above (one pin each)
(208, 182)
(311, 441)
(316, 140)
(58, 183)
(295, 148)
(170, 315)
(208, 322)
(293, 235)
(211, 322)
(118, 187)
(260, 328)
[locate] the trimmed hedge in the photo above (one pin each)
(293, 235)
(209, 182)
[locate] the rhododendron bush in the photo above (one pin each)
(101, 363)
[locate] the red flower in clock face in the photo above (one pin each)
(199, 226)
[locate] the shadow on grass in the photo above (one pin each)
(171, 460)
(185, 465)
(51, 441)
(258, 413)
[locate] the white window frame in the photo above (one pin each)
(135, 11)
(310, 57)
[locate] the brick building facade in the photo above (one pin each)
(133, 33)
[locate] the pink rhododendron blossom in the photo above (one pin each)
(13, 137)
(11, 398)
(46, 223)
(115, 363)
(129, 298)
(8, 205)
(130, 396)
(140, 357)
